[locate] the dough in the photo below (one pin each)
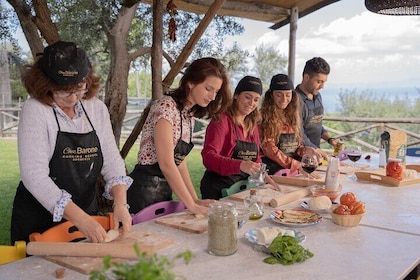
(320, 202)
(112, 235)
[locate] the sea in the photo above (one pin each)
(332, 104)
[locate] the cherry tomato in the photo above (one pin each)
(342, 210)
(357, 208)
(348, 198)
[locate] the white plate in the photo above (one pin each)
(252, 237)
(277, 213)
(305, 205)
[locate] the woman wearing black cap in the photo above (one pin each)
(281, 127)
(231, 146)
(65, 142)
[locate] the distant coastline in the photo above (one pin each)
(331, 101)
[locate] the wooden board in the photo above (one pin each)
(267, 194)
(378, 176)
(346, 168)
(413, 166)
(147, 242)
(184, 220)
(299, 180)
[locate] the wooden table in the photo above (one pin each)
(385, 246)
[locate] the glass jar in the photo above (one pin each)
(394, 168)
(222, 225)
(255, 205)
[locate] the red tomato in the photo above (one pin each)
(357, 208)
(342, 210)
(348, 198)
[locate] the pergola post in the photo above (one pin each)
(294, 15)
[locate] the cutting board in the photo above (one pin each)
(346, 168)
(299, 180)
(184, 220)
(147, 242)
(378, 176)
(413, 166)
(267, 194)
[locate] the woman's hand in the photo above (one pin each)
(91, 229)
(269, 180)
(198, 209)
(250, 167)
(205, 202)
(122, 215)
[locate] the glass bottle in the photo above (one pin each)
(254, 204)
(382, 157)
(222, 226)
(339, 147)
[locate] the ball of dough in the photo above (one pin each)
(319, 203)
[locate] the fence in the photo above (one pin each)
(9, 118)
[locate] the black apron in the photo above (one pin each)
(212, 183)
(288, 144)
(74, 167)
(149, 184)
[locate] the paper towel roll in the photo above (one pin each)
(289, 197)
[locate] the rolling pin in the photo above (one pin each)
(289, 197)
(85, 249)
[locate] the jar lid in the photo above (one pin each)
(394, 159)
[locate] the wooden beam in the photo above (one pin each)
(292, 42)
(156, 61)
(187, 50)
(239, 6)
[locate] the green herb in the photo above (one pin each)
(145, 268)
(287, 250)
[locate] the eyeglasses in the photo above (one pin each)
(65, 94)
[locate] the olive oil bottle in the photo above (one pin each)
(254, 204)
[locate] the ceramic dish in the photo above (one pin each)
(251, 236)
(301, 217)
(305, 205)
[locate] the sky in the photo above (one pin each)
(365, 50)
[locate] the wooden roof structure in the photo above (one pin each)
(275, 11)
(278, 12)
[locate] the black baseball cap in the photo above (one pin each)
(281, 82)
(65, 63)
(249, 83)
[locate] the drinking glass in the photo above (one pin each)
(309, 163)
(354, 155)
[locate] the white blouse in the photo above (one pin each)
(37, 134)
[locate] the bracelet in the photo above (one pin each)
(329, 139)
(123, 204)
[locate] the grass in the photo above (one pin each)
(9, 179)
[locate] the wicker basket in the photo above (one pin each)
(347, 220)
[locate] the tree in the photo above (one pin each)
(268, 62)
(118, 32)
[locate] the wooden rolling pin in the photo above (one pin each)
(85, 249)
(289, 197)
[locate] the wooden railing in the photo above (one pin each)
(9, 118)
(370, 124)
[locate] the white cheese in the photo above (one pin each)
(266, 235)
